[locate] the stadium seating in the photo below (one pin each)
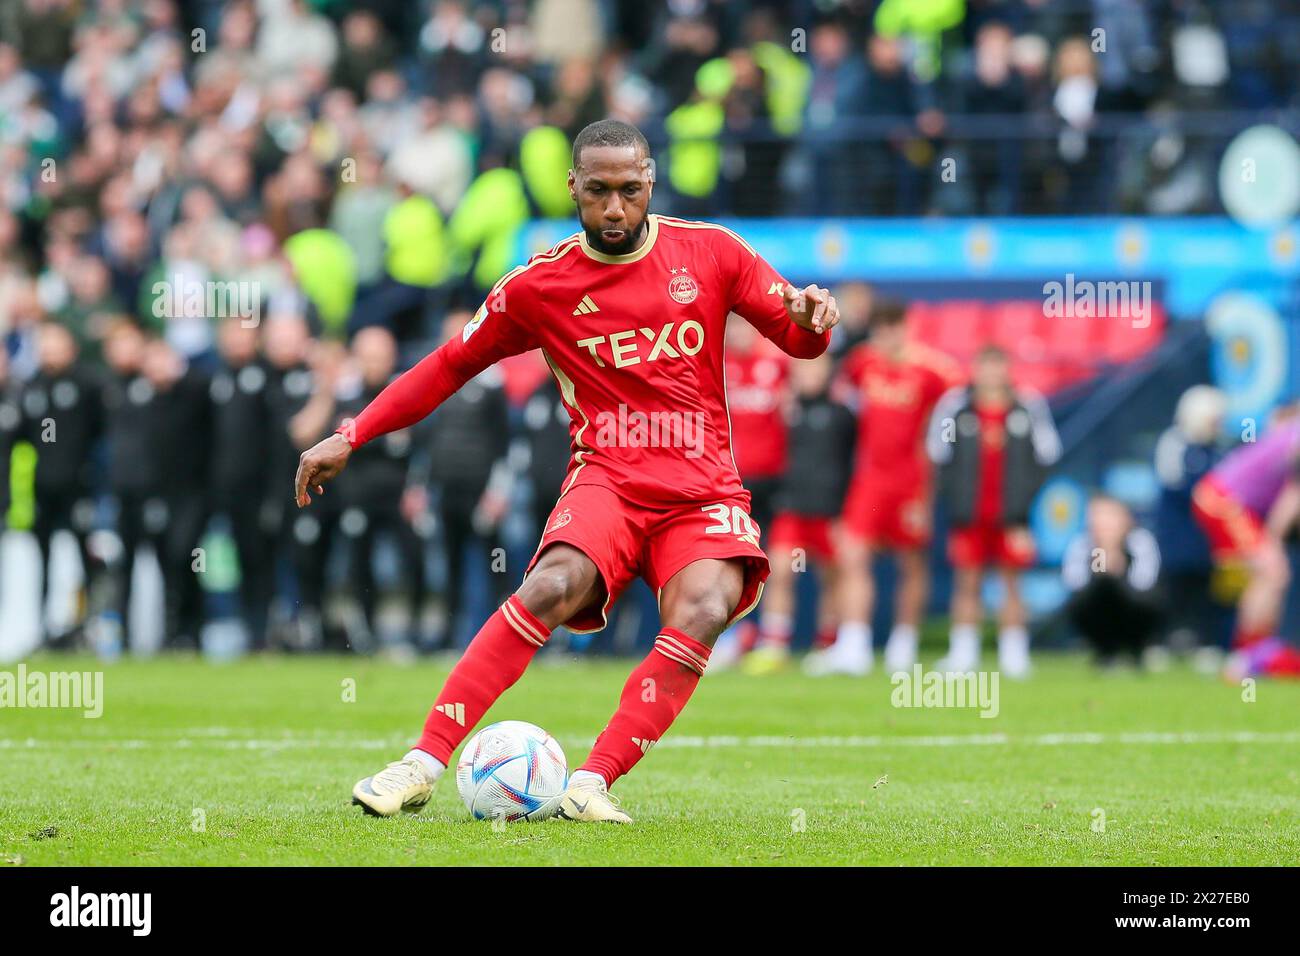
(1047, 353)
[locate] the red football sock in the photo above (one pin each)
(1245, 637)
(494, 660)
(653, 696)
(825, 638)
(774, 630)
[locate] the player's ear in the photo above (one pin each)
(573, 186)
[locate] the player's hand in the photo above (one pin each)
(492, 507)
(415, 503)
(319, 464)
(812, 308)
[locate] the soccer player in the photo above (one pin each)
(1247, 505)
(889, 501)
(630, 313)
(993, 444)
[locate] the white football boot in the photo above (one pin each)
(900, 652)
(963, 651)
(402, 785)
(1013, 653)
(839, 658)
(588, 800)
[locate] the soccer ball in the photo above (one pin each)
(512, 770)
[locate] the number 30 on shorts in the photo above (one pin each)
(732, 519)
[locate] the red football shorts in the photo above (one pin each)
(982, 546)
(625, 540)
(1234, 531)
(790, 530)
(895, 516)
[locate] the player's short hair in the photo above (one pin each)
(991, 350)
(884, 313)
(609, 132)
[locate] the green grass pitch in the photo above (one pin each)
(252, 762)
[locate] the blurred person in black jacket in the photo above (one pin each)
(546, 431)
(180, 443)
(993, 87)
(242, 425)
(1111, 570)
(370, 501)
(992, 443)
(312, 533)
(1199, 616)
(62, 417)
(468, 441)
(132, 467)
(808, 500)
(372, 492)
(891, 180)
(290, 383)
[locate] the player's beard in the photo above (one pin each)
(629, 243)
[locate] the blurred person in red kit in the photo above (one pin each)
(889, 502)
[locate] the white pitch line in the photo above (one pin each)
(221, 739)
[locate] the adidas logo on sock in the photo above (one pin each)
(645, 745)
(455, 711)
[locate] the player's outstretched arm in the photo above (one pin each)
(795, 320)
(411, 396)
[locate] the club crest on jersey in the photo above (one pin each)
(472, 326)
(682, 287)
(563, 518)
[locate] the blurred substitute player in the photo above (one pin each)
(756, 373)
(820, 462)
(631, 314)
(889, 500)
(1247, 504)
(993, 444)
(757, 377)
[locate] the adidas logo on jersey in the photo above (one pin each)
(645, 745)
(455, 711)
(586, 306)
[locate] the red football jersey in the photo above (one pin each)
(756, 387)
(896, 401)
(993, 441)
(635, 343)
